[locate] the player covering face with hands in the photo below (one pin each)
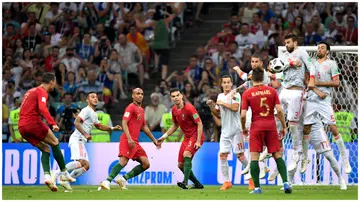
(185, 116)
(129, 147)
(37, 133)
(262, 100)
(84, 122)
(227, 108)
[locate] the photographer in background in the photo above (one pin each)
(65, 116)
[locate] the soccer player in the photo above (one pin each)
(320, 142)
(185, 115)
(291, 96)
(129, 147)
(37, 133)
(227, 108)
(84, 122)
(262, 100)
(327, 76)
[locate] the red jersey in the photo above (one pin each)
(262, 100)
(34, 106)
(136, 120)
(187, 118)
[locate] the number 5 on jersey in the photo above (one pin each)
(264, 104)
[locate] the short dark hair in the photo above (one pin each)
(55, 47)
(291, 36)
(245, 24)
(172, 90)
(48, 77)
(350, 17)
(132, 25)
(326, 44)
(67, 94)
(10, 25)
(226, 76)
(193, 56)
(256, 55)
(38, 74)
(91, 92)
(258, 75)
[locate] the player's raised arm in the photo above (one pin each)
(214, 110)
(244, 76)
(234, 106)
(107, 128)
(77, 124)
(42, 99)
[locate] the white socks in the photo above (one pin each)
(330, 157)
(296, 137)
(73, 165)
(77, 172)
(244, 161)
(225, 169)
(305, 145)
(340, 143)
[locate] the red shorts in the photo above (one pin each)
(259, 139)
(133, 153)
(188, 145)
(34, 133)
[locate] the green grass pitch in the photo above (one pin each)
(175, 193)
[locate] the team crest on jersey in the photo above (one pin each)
(183, 116)
(326, 68)
(138, 117)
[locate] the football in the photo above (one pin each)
(277, 65)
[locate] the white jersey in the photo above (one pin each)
(295, 76)
(230, 120)
(324, 72)
(248, 83)
(89, 118)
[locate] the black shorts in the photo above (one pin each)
(164, 56)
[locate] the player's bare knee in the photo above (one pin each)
(145, 165)
(181, 165)
(223, 156)
(187, 154)
(45, 149)
(276, 155)
(123, 161)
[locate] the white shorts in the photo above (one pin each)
(315, 110)
(320, 141)
(292, 102)
(78, 151)
(235, 141)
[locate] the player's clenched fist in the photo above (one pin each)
(117, 127)
(55, 128)
(210, 103)
(88, 137)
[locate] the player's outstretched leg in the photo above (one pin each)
(305, 148)
(296, 139)
(330, 157)
(45, 162)
(51, 140)
(137, 170)
(280, 164)
(340, 143)
(114, 172)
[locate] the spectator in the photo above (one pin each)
(210, 73)
(318, 26)
(351, 33)
(245, 65)
(82, 75)
(14, 120)
(52, 60)
(53, 14)
(234, 50)
(19, 50)
(127, 51)
(330, 34)
(91, 84)
(164, 94)
(226, 35)
(55, 37)
(190, 93)
(339, 20)
(65, 26)
(217, 56)
(31, 21)
(255, 25)
(85, 50)
(179, 80)
(308, 12)
(103, 49)
(299, 27)
(32, 40)
(204, 110)
(26, 62)
(200, 55)
(161, 39)
(245, 38)
(10, 93)
(138, 39)
(5, 117)
(45, 46)
(265, 12)
(262, 36)
(104, 119)
(5, 79)
(194, 72)
(7, 19)
(67, 100)
(115, 65)
(70, 61)
(246, 14)
(82, 100)
(291, 12)
(350, 12)
(154, 112)
(40, 9)
(235, 24)
(165, 124)
(70, 86)
(60, 73)
(235, 79)
(106, 79)
(89, 14)
(10, 36)
(311, 37)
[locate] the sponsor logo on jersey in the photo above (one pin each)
(43, 99)
(195, 116)
(127, 114)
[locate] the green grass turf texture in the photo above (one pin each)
(175, 193)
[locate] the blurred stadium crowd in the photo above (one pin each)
(111, 47)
